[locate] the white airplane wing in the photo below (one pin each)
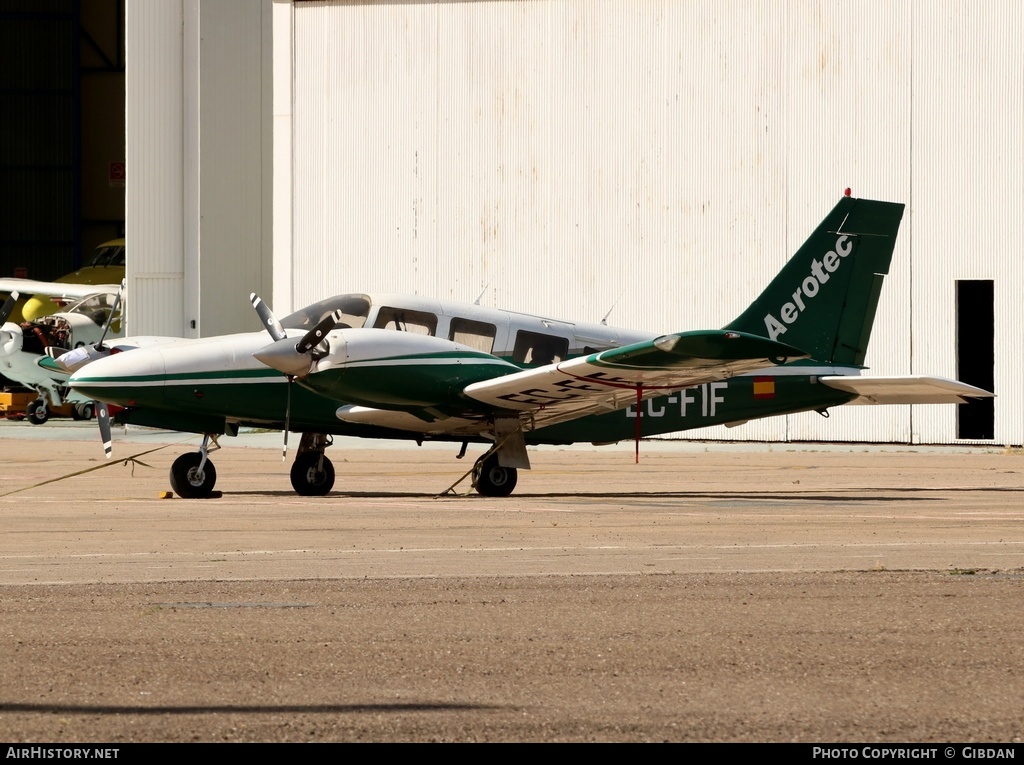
(598, 383)
(55, 289)
(905, 389)
(611, 380)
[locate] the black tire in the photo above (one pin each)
(492, 480)
(310, 477)
(83, 411)
(187, 482)
(37, 412)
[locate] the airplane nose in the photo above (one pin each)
(121, 375)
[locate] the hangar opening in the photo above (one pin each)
(975, 355)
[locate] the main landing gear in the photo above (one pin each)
(84, 410)
(312, 472)
(491, 479)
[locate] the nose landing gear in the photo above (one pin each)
(193, 476)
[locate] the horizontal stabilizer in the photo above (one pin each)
(691, 349)
(906, 389)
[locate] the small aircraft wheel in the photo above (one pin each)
(310, 477)
(82, 411)
(37, 413)
(493, 480)
(187, 481)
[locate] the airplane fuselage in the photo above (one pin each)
(211, 386)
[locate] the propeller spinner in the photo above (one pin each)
(296, 359)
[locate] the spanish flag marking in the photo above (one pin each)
(764, 387)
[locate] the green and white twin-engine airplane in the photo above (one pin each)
(402, 367)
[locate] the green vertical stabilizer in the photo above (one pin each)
(824, 299)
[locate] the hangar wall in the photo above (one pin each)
(658, 161)
(199, 144)
(664, 159)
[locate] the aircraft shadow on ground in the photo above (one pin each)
(114, 709)
(889, 494)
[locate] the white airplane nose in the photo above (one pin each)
(120, 369)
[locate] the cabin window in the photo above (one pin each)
(475, 334)
(402, 320)
(533, 349)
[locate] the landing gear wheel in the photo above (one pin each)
(82, 412)
(492, 480)
(37, 413)
(187, 481)
(311, 477)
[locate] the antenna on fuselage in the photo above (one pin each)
(480, 296)
(605, 319)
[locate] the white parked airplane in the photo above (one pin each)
(401, 367)
(85, 322)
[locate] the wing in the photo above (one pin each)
(908, 389)
(611, 380)
(55, 289)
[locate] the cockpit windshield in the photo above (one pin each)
(97, 308)
(107, 255)
(354, 309)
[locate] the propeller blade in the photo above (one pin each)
(315, 336)
(110, 316)
(9, 306)
(267, 317)
(103, 418)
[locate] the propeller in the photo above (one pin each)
(296, 359)
(9, 306)
(76, 358)
(288, 357)
(79, 357)
(110, 317)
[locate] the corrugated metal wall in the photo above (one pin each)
(968, 193)
(199, 148)
(155, 152)
(664, 158)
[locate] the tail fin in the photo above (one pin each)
(824, 299)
